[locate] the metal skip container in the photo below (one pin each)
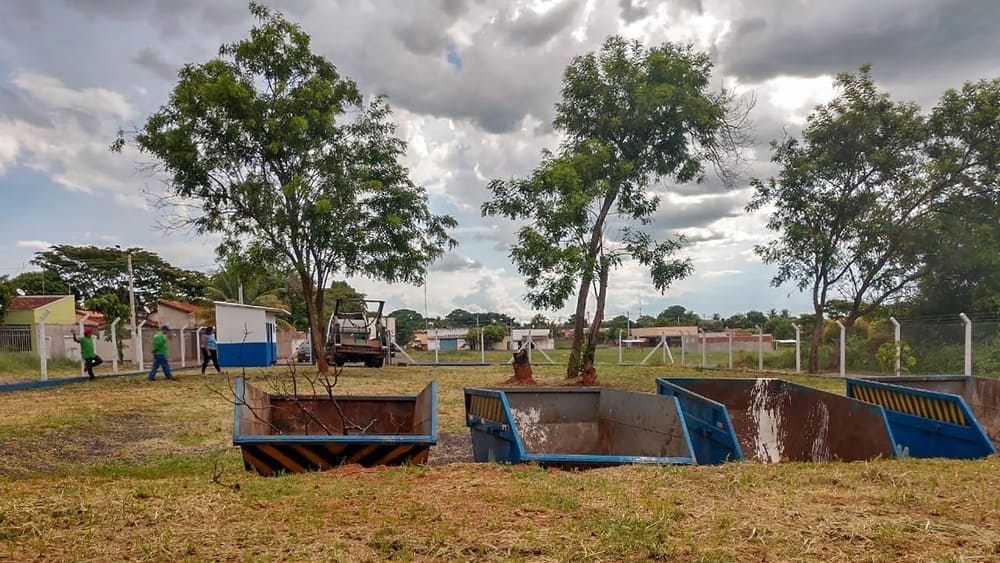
(282, 434)
(771, 420)
(929, 423)
(575, 427)
(981, 395)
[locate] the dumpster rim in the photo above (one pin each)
(389, 439)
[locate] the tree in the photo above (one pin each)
(856, 199)
(492, 334)
(90, 271)
(112, 308)
(45, 282)
(408, 322)
(279, 152)
(6, 295)
(630, 117)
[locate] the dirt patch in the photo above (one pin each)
(61, 448)
(452, 447)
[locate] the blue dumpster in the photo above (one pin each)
(282, 434)
(981, 395)
(770, 420)
(926, 423)
(575, 427)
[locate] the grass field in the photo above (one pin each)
(126, 469)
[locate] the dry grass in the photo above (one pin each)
(126, 469)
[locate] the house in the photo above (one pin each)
(442, 338)
(19, 331)
(653, 334)
(247, 335)
(540, 338)
(176, 314)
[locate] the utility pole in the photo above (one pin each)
(131, 304)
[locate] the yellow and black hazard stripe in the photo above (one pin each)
(917, 405)
(487, 408)
(272, 459)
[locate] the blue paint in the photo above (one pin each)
(707, 423)
(246, 354)
(922, 437)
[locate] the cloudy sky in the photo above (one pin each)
(473, 84)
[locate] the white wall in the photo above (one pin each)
(232, 323)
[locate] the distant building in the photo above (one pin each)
(19, 331)
(541, 338)
(442, 339)
(176, 314)
(653, 334)
(247, 335)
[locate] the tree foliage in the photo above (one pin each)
(90, 271)
(492, 333)
(279, 152)
(631, 117)
(857, 199)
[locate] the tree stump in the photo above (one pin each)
(522, 370)
(589, 378)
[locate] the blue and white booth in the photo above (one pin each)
(247, 335)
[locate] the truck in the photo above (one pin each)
(357, 332)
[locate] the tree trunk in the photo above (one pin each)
(315, 324)
(522, 369)
(589, 372)
(575, 366)
(814, 342)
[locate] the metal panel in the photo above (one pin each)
(775, 421)
(981, 395)
(713, 438)
(926, 423)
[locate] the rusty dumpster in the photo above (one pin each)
(926, 423)
(575, 427)
(283, 434)
(771, 420)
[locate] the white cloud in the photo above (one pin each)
(34, 244)
(53, 93)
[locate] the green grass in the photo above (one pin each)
(126, 469)
(26, 363)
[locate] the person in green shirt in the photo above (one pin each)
(160, 354)
(90, 357)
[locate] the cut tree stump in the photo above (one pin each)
(522, 370)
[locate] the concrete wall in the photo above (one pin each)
(174, 318)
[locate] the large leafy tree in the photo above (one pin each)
(90, 271)
(45, 282)
(631, 118)
(858, 198)
(282, 154)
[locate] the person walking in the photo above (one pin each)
(160, 354)
(90, 357)
(209, 350)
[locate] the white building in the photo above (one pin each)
(247, 335)
(541, 338)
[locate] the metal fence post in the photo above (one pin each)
(798, 348)
(843, 349)
(968, 343)
(704, 350)
(760, 348)
(183, 358)
(730, 331)
(895, 340)
(43, 349)
(114, 344)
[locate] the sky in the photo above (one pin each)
(473, 86)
